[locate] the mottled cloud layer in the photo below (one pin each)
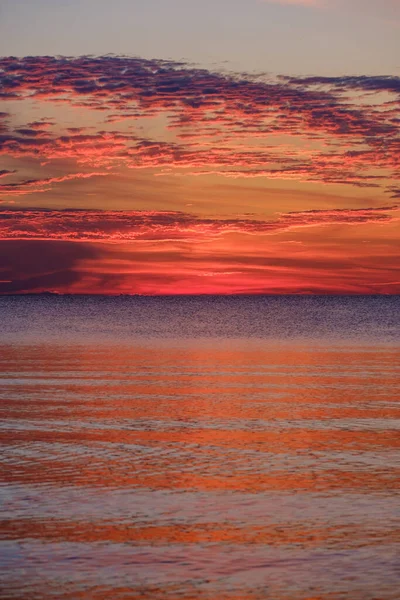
(327, 130)
(73, 124)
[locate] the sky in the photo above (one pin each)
(183, 147)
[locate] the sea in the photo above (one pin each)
(200, 448)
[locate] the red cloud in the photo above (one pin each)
(359, 138)
(6, 173)
(234, 267)
(326, 130)
(30, 186)
(129, 226)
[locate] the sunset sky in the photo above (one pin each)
(221, 146)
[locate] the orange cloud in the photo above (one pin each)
(234, 263)
(129, 226)
(253, 131)
(353, 143)
(30, 186)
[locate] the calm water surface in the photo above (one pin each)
(200, 448)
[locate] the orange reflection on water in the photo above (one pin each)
(261, 421)
(302, 534)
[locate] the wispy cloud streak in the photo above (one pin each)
(129, 226)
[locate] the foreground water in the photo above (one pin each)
(200, 448)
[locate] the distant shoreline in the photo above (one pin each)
(298, 295)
